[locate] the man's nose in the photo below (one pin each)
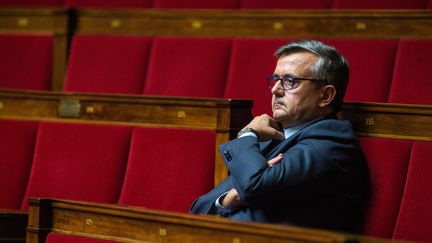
(277, 89)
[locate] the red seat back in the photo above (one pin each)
(31, 3)
(109, 3)
(187, 66)
(26, 61)
(17, 139)
(252, 62)
(63, 238)
(381, 4)
(412, 82)
(210, 4)
(388, 163)
(108, 64)
(79, 162)
(415, 215)
(286, 4)
(168, 168)
(371, 68)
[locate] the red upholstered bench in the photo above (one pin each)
(388, 161)
(107, 64)
(17, 139)
(412, 82)
(26, 61)
(188, 66)
(78, 161)
(168, 168)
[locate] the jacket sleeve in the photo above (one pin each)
(206, 203)
(312, 157)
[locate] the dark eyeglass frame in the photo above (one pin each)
(289, 82)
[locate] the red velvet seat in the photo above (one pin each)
(109, 3)
(252, 62)
(79, 162)
(209, 4)
(107, 64)
(188, 66)
(168, 168)
(379, 4)
(31, 3)
(412, 82)
(371, 68)
(26, 61)
(286, 4)
(63, 238)
(17, 139)
(415, 215)
(388, 163)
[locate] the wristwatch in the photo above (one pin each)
(246, 130)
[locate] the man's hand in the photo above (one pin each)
(275, 160)
(266, 127)
(232, 200)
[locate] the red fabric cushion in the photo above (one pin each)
(288, 4)
(388, 163)
(109, 3)
(188, 66)
(26, 61)
(252, 62)
(59, 238)
(31, 3)
(415, 216)
(371, 67)
(211, 4)
(168, 168)
(108, 64)
(17, 141)
(381, 4)
(79, 162)
(412, 81)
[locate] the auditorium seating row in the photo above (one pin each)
(69, 160)
(394, 71)
(159, 168)
(227, 4)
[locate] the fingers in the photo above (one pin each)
(267, 127)
(275, 160)
(278, 135)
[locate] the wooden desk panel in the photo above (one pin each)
(224, 116)
(131, 224)
(401, 121)
(259, 23)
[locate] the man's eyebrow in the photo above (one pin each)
(284, 75)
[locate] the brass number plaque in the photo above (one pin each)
(181, 114)
(89, 222)
(369, 121)
(162, 232)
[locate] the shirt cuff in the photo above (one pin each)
(247, 134)
(218, 203)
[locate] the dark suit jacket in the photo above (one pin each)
(321, 182)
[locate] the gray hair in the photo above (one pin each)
(331, 65)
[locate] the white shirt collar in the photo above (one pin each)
(288, 132)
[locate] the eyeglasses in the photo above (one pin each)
(289, 82)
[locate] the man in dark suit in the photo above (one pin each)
(302, 166)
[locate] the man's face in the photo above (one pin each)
(299, 104)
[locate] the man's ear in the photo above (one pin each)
(327, 95)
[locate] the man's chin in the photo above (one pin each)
(277, 115)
